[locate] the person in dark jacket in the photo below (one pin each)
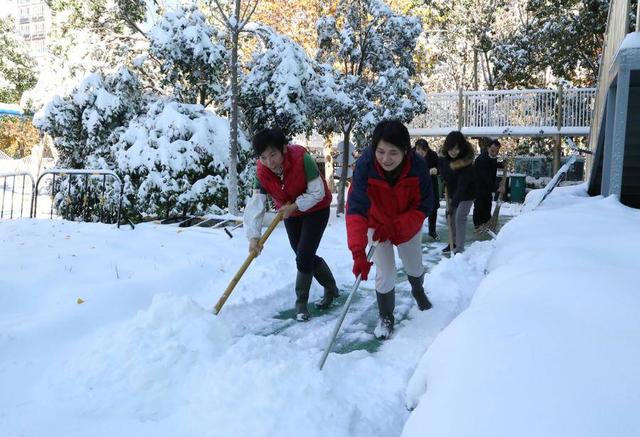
(422, 148)
(486, 169)
(457, 168)
(389, 198)
(288, 174)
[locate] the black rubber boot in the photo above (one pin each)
(323, 275)
(417, 291)
(386, 305)
(303, 283)
(447, 249)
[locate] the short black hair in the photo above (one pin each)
(422, 144)
(269, 138)
(496, 142)
(456, 139)
(391, 131)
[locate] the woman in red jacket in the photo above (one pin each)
(289, 175)
(389, 198)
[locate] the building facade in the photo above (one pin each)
(33, 21)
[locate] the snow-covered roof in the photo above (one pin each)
(631, 41)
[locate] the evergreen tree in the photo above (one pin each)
(275, 90)
(368, 52)
(193, 62)
(17, 68)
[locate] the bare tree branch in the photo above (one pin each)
(227, 22)
(244, 18)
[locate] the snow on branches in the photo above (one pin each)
(276, 89)
(192, 56)
(175, 159)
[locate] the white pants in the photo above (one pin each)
(385, 261)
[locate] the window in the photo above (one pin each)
(38, 11)
(38, 29)
(38, 47)
(24, 30)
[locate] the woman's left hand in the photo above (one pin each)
(288, 209)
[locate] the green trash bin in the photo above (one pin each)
(517, 186)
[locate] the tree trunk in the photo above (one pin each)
(345, 171)
(328, 163)
(233, 128)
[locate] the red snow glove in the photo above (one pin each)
(361, 266)
(382, 233)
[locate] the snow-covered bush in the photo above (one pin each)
(84, 125)
(174, 160)
(171, 156)
(193, 59)
(276, 89)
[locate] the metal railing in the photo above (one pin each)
(86, 173)
(4, 177)
(540, 112)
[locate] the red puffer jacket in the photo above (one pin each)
(373, 201)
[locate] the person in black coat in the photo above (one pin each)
(485, 168)
(458, 174)
(422, 148)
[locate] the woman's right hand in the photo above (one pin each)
(255, 247)
(361, 265)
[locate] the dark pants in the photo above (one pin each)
(481, 209)
(432, 222)
(305, 233)
(436, 204)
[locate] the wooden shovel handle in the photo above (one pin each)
(246, 263)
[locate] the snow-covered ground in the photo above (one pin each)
(550, 344)
(141, 353)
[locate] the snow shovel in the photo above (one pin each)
(449, 218)
(246, 263)
(347, 304)
(492, 225)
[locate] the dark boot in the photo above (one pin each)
(303, 283)
(323, 275)
(386, 304)
(417, 291)
(447, 249)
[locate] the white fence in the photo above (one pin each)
(536, 112)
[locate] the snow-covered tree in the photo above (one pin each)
(84, 126)
(109, 32)
(275, 90)
(193, 61)
(17, 68)
(174, 159)
(368, 49)
(234, 16)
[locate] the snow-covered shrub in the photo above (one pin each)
(275, 90)
(84, 125)
(174, 159)
(193, 59)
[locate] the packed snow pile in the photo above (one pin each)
(141, 353)
(143, 367)
(550, 343)
(107, 331)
